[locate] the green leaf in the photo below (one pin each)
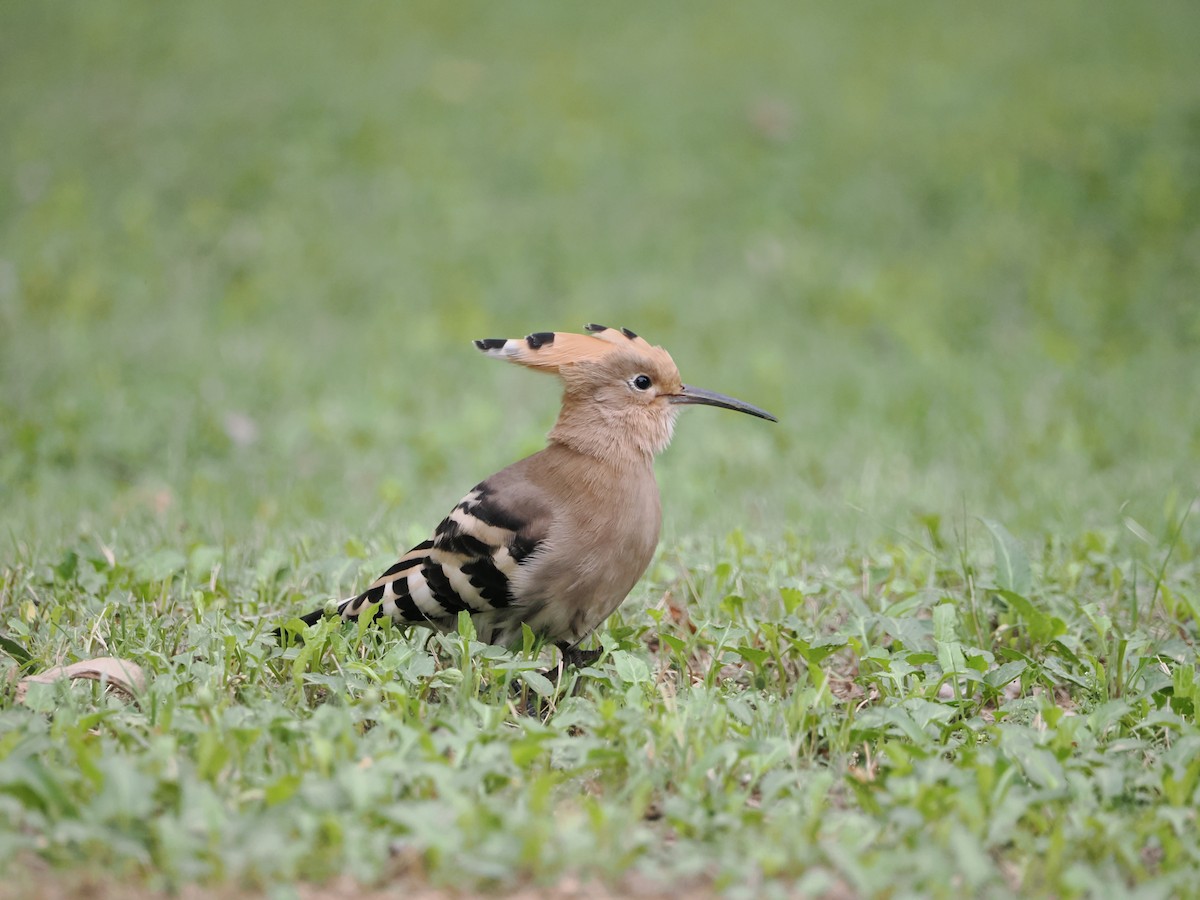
(1012, 564)
(282, 789)
(945, 635)
(753, 655)
(466, 625)
(816, 650)
(1003, 674)
(676, 644)
(1040, 626)
(203, 559)
(537, 682)
(632, 669)
(527, 750)
(792, 599)
(68, 566)
(16, 651)
(159, 565)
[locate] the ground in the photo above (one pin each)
(933, 634)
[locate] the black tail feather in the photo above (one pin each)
(311, 618)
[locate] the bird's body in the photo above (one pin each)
(557, 540)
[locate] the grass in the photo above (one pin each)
(933, 634)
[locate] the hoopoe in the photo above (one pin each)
(557, 540)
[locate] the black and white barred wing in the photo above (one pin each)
(467, 566)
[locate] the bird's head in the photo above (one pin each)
(620, 393)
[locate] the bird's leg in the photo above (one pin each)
(573, 656)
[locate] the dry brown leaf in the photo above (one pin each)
(125, 676)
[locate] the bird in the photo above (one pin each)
(557, 540)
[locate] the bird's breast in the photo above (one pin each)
(599, 547)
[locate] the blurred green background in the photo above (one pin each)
(243, 250)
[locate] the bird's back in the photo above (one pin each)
(554, 541)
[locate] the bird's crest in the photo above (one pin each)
(549, 350)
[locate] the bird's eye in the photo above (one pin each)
(642, 382)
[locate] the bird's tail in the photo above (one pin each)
(313, 617)
(317, 615)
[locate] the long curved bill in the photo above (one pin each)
(693, 395)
